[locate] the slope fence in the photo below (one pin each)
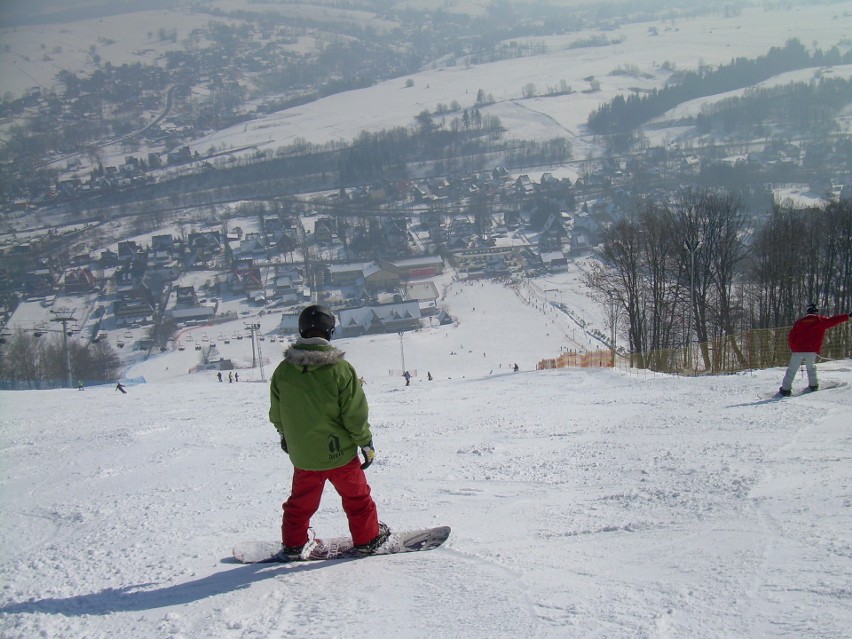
(764, 348)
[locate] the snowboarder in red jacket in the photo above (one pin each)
(805, 341)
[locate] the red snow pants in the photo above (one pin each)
(350, 482)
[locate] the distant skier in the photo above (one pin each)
(318, 407)
(429, 375)
(230, 378)
(407, 377)
(120, 387)
(80, 385)
(515, 368)
(236, 377)
(805, 341)
(219, 375)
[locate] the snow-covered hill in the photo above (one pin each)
(639, 57)
(583, 502)
(651, 48)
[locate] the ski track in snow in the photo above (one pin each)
(591, 503)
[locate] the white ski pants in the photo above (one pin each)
(796, 360)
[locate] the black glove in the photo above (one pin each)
(369, 454)
(284, 444)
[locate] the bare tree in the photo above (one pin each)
(662, 267)
(773, 269)
(673, 271)
(619, 276)
(31, 362)
(104, 361)
(711, 227)
(801, 256)
(835, 265)
(728, 226)
(21, 363)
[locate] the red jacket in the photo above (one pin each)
(808, 331)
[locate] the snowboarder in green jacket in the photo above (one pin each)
(320, 411)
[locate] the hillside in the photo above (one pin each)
(583, 502)
(541, 95)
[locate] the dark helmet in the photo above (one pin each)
(812, 310)
(316, 318)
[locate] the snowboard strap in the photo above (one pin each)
(309, 546)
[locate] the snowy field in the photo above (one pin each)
(639, 57)
(584, 503)
(685, 43)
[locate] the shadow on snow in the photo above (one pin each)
(138, 597)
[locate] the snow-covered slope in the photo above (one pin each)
(583, 502)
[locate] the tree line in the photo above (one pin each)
(29, 360)
(700, 269)
(811, 107)
(622, 115)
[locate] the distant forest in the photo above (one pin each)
(810, 107)
(623, 115)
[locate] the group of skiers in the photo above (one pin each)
(232, 377)
(407, 375)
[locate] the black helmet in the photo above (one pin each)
(316, 318)
(813, 310)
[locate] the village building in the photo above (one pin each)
(79, 281)
(380, 318)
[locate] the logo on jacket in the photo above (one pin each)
(333, 447)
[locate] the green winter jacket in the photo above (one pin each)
(318, 405)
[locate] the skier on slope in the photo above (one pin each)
(805, 341)
(318, 407)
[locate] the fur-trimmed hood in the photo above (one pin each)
(312, 351)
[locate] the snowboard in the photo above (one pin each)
(797, 392)
(261, 552)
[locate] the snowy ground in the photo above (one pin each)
(584, 503)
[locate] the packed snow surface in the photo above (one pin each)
(583, 503)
